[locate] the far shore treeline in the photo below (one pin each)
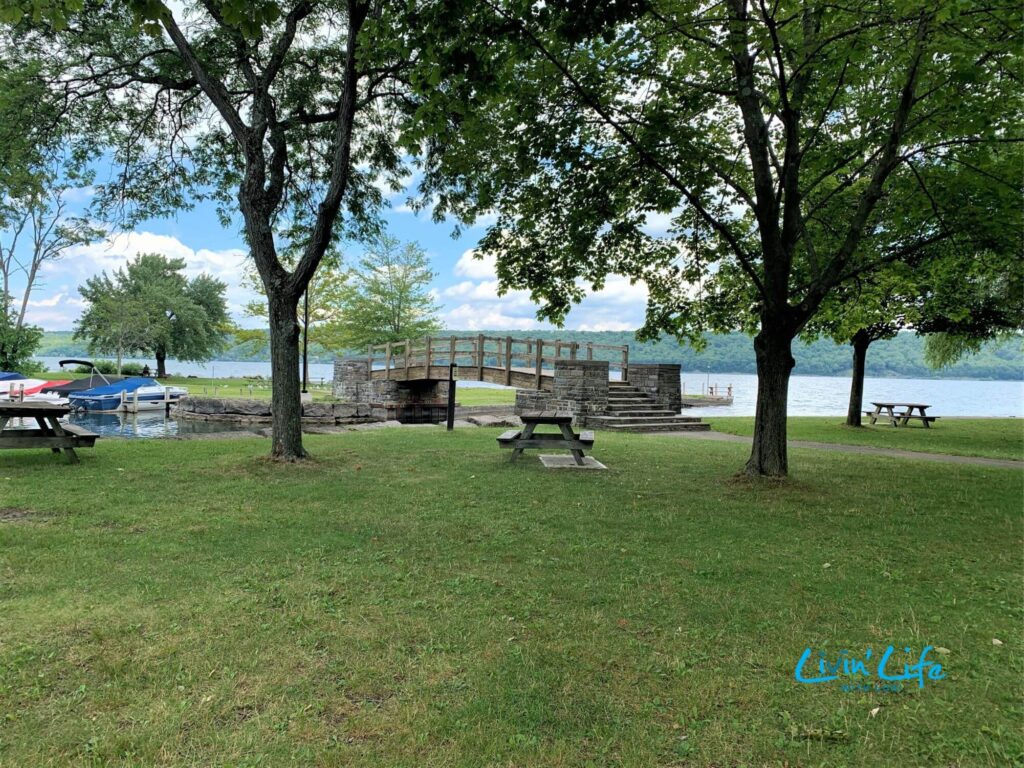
(901, 357)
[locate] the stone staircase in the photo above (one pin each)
(630, 410)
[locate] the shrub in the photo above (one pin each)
(110, 367)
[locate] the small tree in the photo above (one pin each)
(36, 230)
(18, 342)
(319, 308)
(185, 319)
(387, 298)
(116, 323)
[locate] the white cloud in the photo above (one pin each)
(658, 224)
(607, 325)
(475, 269)
(56, 300)
(474, 317)
(58, 307)
(618, 306)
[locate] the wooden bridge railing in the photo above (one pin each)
(503, 353)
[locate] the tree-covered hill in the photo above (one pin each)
(902, 356)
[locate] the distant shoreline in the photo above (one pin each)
(171, 365)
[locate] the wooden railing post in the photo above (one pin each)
(369, 362)
(387, 360)
(625, 363)
(408, 350)
(451, 351)
(540, 360)
(573, 346)
(430, 344)
(590, 350)
(480, 357)
(508, 361)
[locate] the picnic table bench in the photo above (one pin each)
(900, 419)
(51, 433)
(520, 439)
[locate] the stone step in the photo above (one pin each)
(618, 405)
(629, 398)
(657, 426)
(640, 413)
(621, 419)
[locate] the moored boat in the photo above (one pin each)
(132, 394)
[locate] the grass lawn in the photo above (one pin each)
(485, 396)
(411, 598)
(993, 438)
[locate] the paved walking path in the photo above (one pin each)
(943, 458)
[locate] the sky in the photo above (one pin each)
(464, 287)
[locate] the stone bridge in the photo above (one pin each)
(548, 375)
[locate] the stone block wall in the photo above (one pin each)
(258, 411)
(533, 400)
(352, 384)
(583, 384)
(580, 388)
(352, 380)
(661, 381)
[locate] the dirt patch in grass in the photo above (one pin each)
(14, 514)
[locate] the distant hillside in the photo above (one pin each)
(732, 353)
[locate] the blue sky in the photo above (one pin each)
(465, 288)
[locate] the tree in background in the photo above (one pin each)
(282, 111)
(37, 168)
(36, 230)
(116, 322)
(387, 298)
(782, 136)
(960, 300)
(319, 308)
(17, 343)
(171, 316)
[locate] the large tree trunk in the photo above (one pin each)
(161, 364)
(861, 341)
(286, 404)
(772, 347)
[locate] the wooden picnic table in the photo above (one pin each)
(51, 433)
(900, 419)
(518, 440)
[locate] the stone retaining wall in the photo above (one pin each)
(352, 384)
(580, 388)
(661, 381)
(256, 411)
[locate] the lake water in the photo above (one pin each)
(808, 395)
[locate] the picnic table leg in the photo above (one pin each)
(892, 417)
(527, 434)
(924, 418)
(45, 429)
(874, 416)
(51, 426)
(568, 434)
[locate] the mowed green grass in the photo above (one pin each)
(411, 598)
(485, 396)
(992, 438)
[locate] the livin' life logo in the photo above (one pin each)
(863, 673)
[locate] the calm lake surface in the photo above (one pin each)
(808, 395)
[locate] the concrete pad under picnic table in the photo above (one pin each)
(568, 462)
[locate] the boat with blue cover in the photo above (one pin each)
(132, 394)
